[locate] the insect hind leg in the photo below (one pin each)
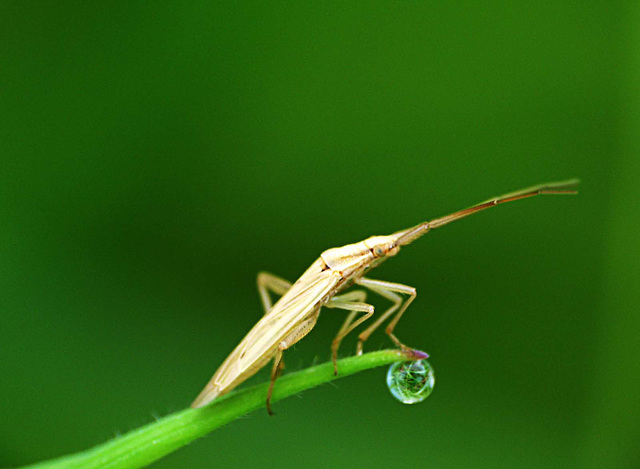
(270, 283)
(278, 365)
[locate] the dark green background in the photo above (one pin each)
(156, 155)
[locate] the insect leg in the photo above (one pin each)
(349, 302)
(275, 372)
(294, 336)
(388, 290)
(269, 282)
(358, 296)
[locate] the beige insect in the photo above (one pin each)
(295, 314)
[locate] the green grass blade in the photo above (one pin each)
(155, 440)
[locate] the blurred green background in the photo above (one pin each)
(156, 155)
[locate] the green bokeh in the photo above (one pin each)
(156, 156)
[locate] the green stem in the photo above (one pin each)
(151, 442)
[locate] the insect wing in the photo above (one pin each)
(263, 339)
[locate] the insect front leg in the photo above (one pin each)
(268, 282)
(390, 291)
(353, 302)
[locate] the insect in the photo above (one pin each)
(294, 315)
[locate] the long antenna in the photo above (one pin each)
(562, 187)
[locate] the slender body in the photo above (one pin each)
(296, 312)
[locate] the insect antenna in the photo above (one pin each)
(563, 187)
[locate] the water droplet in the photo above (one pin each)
(411, 382)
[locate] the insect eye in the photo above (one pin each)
(378, 251)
